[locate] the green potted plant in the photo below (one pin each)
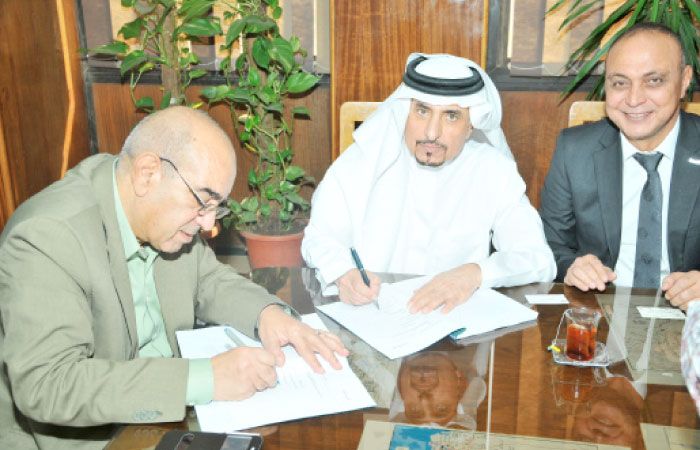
(259, 81)
(680, 15)
(163, 30)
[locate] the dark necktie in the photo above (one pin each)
(647, 264)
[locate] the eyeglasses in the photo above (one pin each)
(220, 208)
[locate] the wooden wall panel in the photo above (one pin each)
(532, 121)
(41, 96)
(115, 115)
(371, 41)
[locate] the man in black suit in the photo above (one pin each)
(609, 216)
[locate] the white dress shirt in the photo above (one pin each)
(633, 179)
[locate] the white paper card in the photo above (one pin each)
(651, 312)
(546, 299)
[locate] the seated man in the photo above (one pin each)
(100, 269)
(417, 193)
(620, 202)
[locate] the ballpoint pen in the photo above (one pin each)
(361, 268)
(231, 335)
(236, 340)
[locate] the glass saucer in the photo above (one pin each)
(600, 359)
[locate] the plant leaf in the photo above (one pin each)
(301, 82)
(146, 67)
(194, 8)
(248, 217)
(239, 95)
(294, 172)
(144, 8)
(165, 102)
(209, 92)
(144, 102)
(555, 6)
(654, 14)
(257, 24)
(252, 177)
(250, 204)
(197, 73)
(133, 28)
(234, 30)
(132, 60)
(240, 62)
(267, 95)
(294, 197)
(573, 15)
(200, 27)
(275, 106)
(117, 48)
(253, 77)
(301, 110)
(260, 52)
(287, 187)
(282, 52)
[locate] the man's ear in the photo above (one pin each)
(686, 78)
(146, 173)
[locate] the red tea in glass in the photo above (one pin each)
(581, 330)
(580, 342)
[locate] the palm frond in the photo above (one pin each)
(682, 16)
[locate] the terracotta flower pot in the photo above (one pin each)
(273, 251)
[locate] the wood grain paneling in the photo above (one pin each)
(115, 115)
(371, 41)
(531, 122)
(41, 96)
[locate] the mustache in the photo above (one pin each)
(432, 142)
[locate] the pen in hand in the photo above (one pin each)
(236, 340)
(361, 268)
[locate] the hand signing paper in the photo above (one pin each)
(353, 290)
(449, 288)
(241, 372)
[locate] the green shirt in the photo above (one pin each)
(150, 328)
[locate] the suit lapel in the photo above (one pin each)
(102, 181)
(684, 188)
(608, 172)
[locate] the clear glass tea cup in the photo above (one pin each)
(581, 330)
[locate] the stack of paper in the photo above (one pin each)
(395, 332)
(301, 392)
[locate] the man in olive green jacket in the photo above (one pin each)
(88, 325)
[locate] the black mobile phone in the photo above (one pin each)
(197, 440)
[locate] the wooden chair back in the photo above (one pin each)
(352, 114)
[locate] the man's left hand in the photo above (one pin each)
(449, 288)
(276, 329)
(681, 288)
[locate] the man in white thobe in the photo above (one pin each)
(420, 192)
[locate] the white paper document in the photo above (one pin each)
(395, 332)
(546, 299)
(300, 393)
